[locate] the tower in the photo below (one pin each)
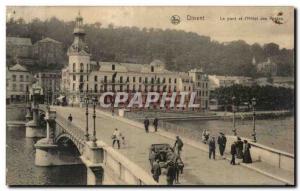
(79, 61)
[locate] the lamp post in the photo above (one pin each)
(253, 102)
(94, 139)
(86, 99)
(233, 118)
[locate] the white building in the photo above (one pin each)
(18, 81)
(83, 76)
(216, 81)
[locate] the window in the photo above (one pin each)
(96, 88)
(170, 80)
(73, 87)
(164, 80)
(152, 68)
(121, 79)
(74, 78)
(133, 79)
(158, 80)
(81, 78)
(121, 88)
(146, 80)
(27, 78)
(21, 87)
(81, 67)
(74, 67)
(14, 87)
(184, 88)
(113, 67)
(175, 80)
(152, 80)
(105, 79)
(140, 79)
(96, 78)
(21, 78)
(127, 79)
(14, 78)
(87, 78)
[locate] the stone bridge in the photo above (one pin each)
(63, 143)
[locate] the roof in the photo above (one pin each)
(18, 67)
(47, 39)
(18, 41)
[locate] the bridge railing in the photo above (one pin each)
(121, 168)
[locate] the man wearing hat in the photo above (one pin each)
(222, 143)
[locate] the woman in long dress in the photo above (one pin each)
(247, 155)
(239, 148)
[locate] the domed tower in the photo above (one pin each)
(79, 60)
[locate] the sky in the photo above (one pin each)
(223, 24)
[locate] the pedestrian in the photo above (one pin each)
(203, 137)
(233, 153)
(112, 110)
(239, 148)
(222, 143)
(171, 173)
(152, 156)
(70, 118)
(116, 137)
(146, 124)
(212, 148)
(179, 169)
(155, 124)
(247, 155)
(178, 145)
(156, 170)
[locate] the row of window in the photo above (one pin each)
(21, 78)
(202, 93)
(203, 85)
(22, 87)
(134, 79)
(81, 67)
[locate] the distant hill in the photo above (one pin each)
(180, 50)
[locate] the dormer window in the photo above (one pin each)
(152, 68)
(113, 67)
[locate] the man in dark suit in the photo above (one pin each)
(222, 144)
(212, 148)
(233, 153)
(146, 124)
(155, 124)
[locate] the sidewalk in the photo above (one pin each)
(199, 170)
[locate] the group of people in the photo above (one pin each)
(239, 149)
(167, 158)
(147, 123)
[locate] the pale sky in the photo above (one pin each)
(251, 31)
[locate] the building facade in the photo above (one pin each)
(18, 82)
(227, 81)
(19, 50)
(48, 52)
(83, 76)
(50, 83)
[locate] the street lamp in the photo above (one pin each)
(253, 101)
(86, 99)
(94, 139)
(233, 119)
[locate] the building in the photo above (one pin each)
(18, 82)
(19, 50)
(267, 68)
(216, 81)
(83, 76)
(50, 83)
(48, 52)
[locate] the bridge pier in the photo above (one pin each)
(32, 129)
(93, 157)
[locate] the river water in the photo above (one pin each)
(276, 133)
(20, 168)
